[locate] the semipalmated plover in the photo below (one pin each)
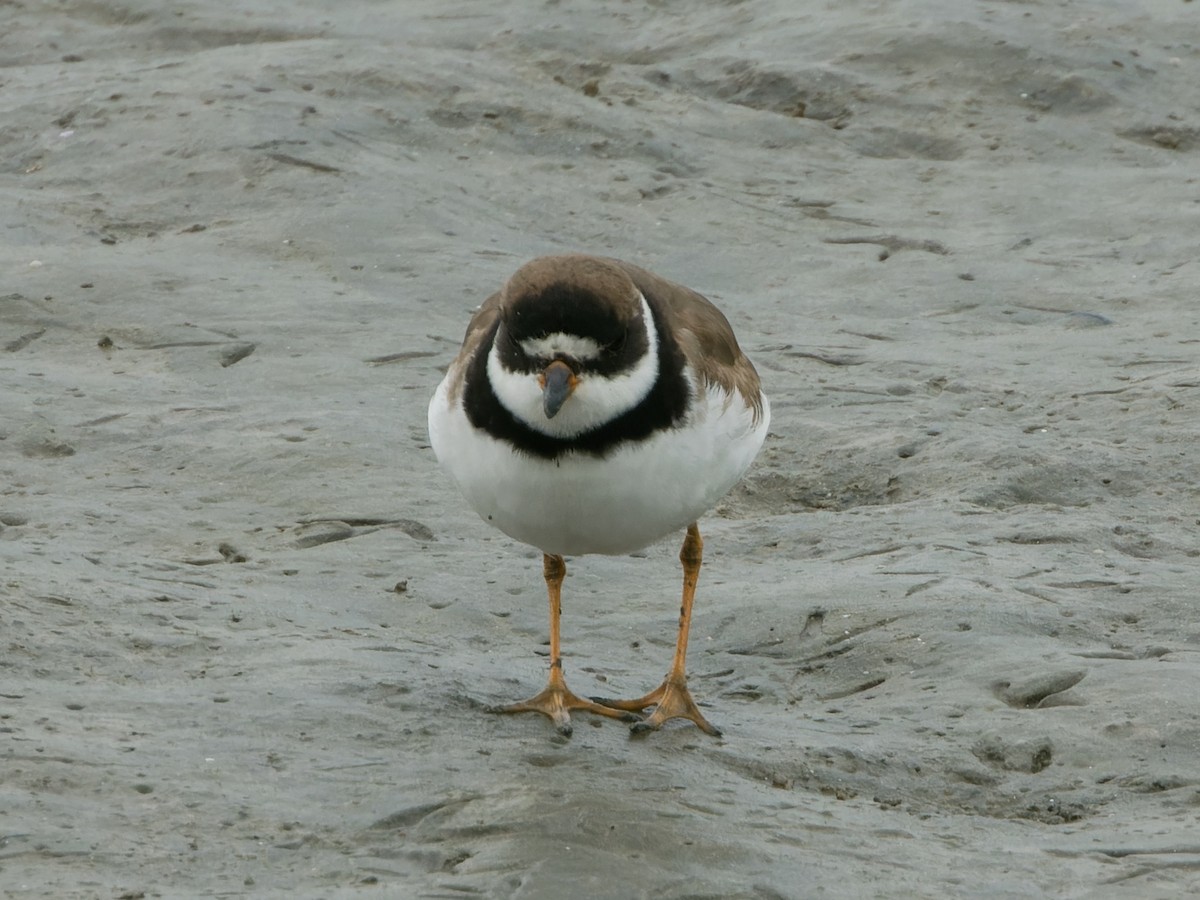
(596, 408)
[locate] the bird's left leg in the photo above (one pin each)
(672, 699)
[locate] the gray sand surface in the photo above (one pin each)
(948, 622)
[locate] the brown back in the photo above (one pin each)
(704, 335)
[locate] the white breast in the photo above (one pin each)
(578, 504)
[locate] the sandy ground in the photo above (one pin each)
(247, 628)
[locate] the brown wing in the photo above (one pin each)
(478, 330)
(704, 335)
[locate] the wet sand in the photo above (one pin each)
(947, 622)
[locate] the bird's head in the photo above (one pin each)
(575, 346)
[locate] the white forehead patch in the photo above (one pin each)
(552, 345)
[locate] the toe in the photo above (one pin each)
(641, 729)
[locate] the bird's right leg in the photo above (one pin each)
(556, 700)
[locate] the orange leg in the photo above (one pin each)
(672, 699)
(556, 700)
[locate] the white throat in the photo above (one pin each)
(596, 400)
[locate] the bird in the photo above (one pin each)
(597, 408)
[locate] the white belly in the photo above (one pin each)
(580, 504)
